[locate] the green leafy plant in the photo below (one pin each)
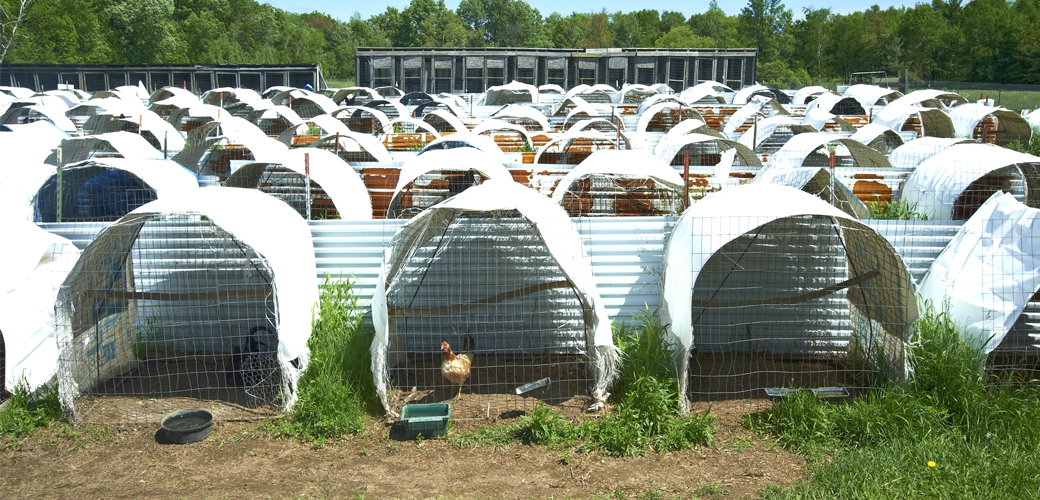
(336, 390)
(898, 210)
(26, 410)
(526, 147)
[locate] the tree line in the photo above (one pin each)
(981, 41)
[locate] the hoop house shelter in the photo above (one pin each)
(911, 154)
(811, 150)
(704, 150)
(150, 126)
(215, 148)
(768, 135)
(526, 116)
(110, 145)
(33, 270)
(925, 122)
(765, 285)
(512, 92)
(930, 98)
(805, 95)
(816, 182)
(621, 183)
(437, 175)
(954, 183)
(105, 189)
(188, 302)
(30, 144)
(879, 138)
(573, 148)
(663, 116)
(872, 95)
(989, 124)
(467, 140)
(989, 275)
(336, 190)
(496, 271)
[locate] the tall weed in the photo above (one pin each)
(336, 389)
(27, 410)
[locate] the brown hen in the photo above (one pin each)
(454, 367)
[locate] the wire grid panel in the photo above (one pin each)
(606, 194)
(90, 193)
(802, 302)
(1005, 285)
(430, 189)
(165, 313)
(286, 185)
(486, 284)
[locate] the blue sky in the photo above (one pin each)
(344, 10)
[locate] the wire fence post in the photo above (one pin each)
(307, 182)
(337, 144)
(686, 177)
(832, 176)
(58, 190)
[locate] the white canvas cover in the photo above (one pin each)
(702, 90)
(868, 95)
(248, 215)
(825, 102)
(911, 154)
(351, 140)
(149, 121)
(630, 163)
(867, 133)
(379, 116)
(172, 92)
(563, 141)
(30, 144)
(744, 114)
(554, 228)
(493, 124)
(696, 238)
(551, 88)
(166, 177)
(523, 112)
(223, 96)
(481, 142)
(817, 182)
(795, 150)
(53, 114)
(126, 144)
(646, 116)
(341, 182)
(744, 94)
(918, 96)
(513, 87)
(806, 92)
(418, 126)
(988, 272)
(940, 180)
(669, 147)
(448, 117)
(967, 116)
(763, 129)
(680, 129)
(33, 270)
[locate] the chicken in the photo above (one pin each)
(454, 367)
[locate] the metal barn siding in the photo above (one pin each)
(194, 77)
(473, 70)
(625, 252)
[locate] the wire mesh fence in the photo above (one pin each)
(90, 192)
(486, 284)
(163, 312)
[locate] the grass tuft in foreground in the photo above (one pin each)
(946, 433)
(27, 410)
(646, 413)
(336, 390)
(894, 210)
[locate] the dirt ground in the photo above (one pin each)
(243, 460)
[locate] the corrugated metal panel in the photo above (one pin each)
(625, 252)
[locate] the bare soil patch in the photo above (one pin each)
(243, 460)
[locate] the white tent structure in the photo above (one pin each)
(768, 135)
(108, 145)
(805, 95)
(619, 183)
(336, 190)
(1002, 126)
(764, 282)
(872, 95)
(811, 150)
(911, 154)
(816, 182)
(671, 114)
(30, 144)
(467, 140)
(149, 125)
(743, 95)
(955, 182)
(531, 119)
(926, 122)
(212, 147)
(835, 104)
(437, 175)
(32, 113)
(188, 300)
(512, 92)
(705, 92)
(878, 137)
(105, 189)
(703, 150)
(501, 265)
(573, 147)
(988, 274)
(33, 270)
(930, 98)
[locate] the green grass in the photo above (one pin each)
(1015, 100)
(336, 390)
(645, 417)
(898, 210)
(26, 410)
(1034, 145)
(948, 433)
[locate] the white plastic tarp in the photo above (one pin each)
(967, 116)
(630, 163)
(911, 154)
(988, 272)
(30, 144)
(35, 264)
(554, 228)
(806, 92)
(763, 129)
(336, 177)
(937, 182)
(249, 216)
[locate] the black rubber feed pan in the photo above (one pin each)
(187, 426)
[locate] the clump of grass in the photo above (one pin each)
(27, 410)
(944, 431)
(646, 413)
(894, 210)
(1033, 148)
(336, 390)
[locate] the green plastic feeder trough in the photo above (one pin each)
(430, 420)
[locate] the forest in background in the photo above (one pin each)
(994, 41)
